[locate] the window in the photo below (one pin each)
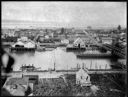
(87, 78)
(32, 78)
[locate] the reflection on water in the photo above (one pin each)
(62, 59)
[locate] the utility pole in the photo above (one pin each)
(83, 66)
(54, 62)
(67, 69)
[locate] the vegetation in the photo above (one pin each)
(106, 84)
(50, 87)
(28, 91)
(119, 27)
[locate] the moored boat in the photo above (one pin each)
(29, 68)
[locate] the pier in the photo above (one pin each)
(121, 53)
(48, 45)
(94, 56)
(21, 49)
(75, 49)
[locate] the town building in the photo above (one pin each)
(80, 33)
(82, 77)
(106, 40)
(79, 43)
(65, 41)
(24, 44)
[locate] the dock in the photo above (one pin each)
(21, 49)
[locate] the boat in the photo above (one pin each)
(29, 68)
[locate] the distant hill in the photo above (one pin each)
(37, 24)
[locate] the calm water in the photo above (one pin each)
(63, 60)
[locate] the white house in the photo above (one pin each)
(27, 44)
(65, 41)
(24, 38)
(83, 78)
(79, 42)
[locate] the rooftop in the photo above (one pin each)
(22, 81)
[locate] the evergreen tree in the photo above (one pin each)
(89, 27)
(28, 91)
(62, 30)
(119, 27)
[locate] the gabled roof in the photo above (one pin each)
(81, 70)
(20, 81)
(25, 42)
(78, 40)
(20, 43)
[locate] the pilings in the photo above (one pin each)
(21, 49)
(75, 49)
(94, 56)
(91, 47)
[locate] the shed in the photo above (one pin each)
(82, 77)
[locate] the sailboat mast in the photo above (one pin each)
(54, 62)
(54, 66)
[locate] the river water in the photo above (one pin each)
(62, 59)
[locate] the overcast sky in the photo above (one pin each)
(67, 13)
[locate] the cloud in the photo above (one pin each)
(71, 13)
